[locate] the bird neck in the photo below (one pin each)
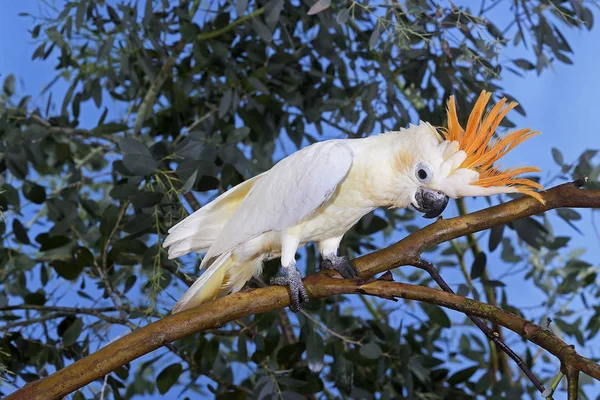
(375, 171)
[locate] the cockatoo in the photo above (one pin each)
(319, 192)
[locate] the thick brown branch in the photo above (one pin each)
(214, 314)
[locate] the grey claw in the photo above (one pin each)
(340, 264)
(293, 280)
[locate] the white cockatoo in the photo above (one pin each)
(318, 193)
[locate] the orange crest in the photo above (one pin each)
(482, 150)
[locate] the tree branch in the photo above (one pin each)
(492, 335)
(572, 382)
(59, 313)
(406, 252)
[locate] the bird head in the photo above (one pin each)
(457, 162)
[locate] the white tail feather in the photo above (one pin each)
(207, 286)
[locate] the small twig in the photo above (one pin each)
(169, 266)
(31, 321)
(286, 327)
(74, 310)
(62, 311)
(331, 332)
(550, 391)
(192, 201)
(103, 268)
(491, 335)
(67, 130)
(103, 387)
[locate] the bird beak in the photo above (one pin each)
(430, 202)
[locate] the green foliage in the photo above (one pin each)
(215, 94)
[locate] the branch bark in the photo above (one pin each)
(406, 252)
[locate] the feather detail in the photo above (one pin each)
(483, 150)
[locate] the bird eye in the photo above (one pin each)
(423, 173)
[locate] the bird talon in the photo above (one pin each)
(293, 280)
(279, 281)
(340, 264)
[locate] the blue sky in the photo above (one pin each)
(563, 103)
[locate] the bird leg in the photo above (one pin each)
(340, 264)
(293, 280)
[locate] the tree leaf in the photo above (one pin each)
(49, 242)
(262, 31)
(558, 157)
(315, 351)
(288, 395)
(524, 64)
(82, 256)
(148, 13)
(106, 48)
(568, 214)
(80, 14)
(20, 232)
(266, 387)
(140, 164)
(344, 373)
(374, 37)
(110, 128)
(371, 224)
(190, 149)
(240, 7)
(146, 199)
(189, 183)
(258, 85)
(272, 11)
(67, 270)
(371, 351)
(72, 333)
(463, 375)
(436, 314)
(496, 234)
(343, 16)
(478, 265)
(36, 298)
(492, 283)
(530, 231)
(9, 85)
(319, 6)
(587, 17)
(168, 376)
(16, 161)
(133, 146)
(225, 103)
(34, 192)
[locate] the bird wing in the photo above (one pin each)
(199, 230)
(287, 194)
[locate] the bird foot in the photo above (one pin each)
(293, 280)
(340, 264)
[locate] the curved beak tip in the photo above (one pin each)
(431, 202)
